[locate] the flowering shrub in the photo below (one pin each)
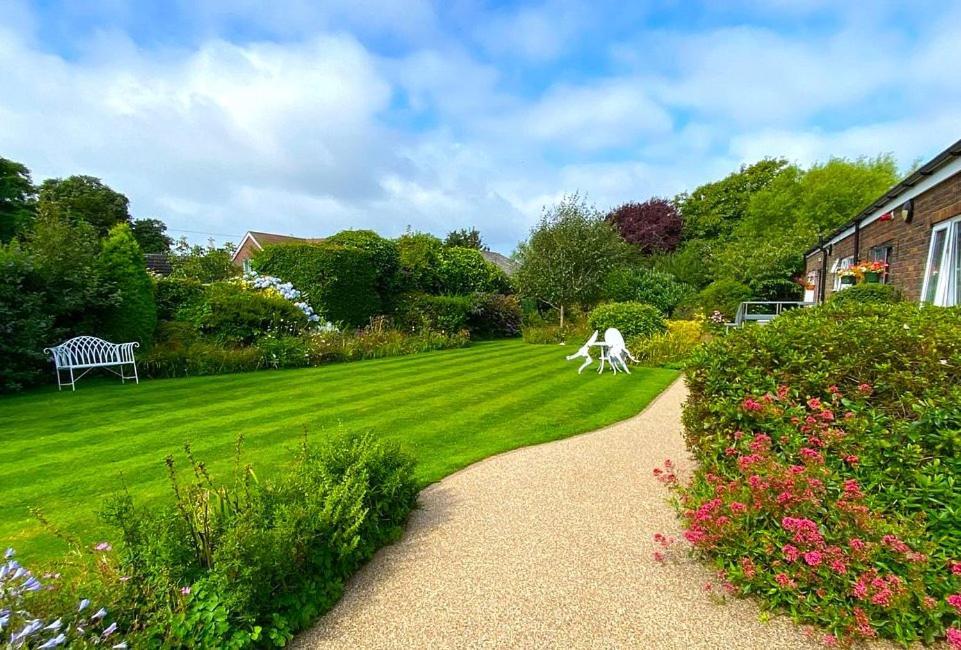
(275, 286)
(828, 446)
(21, 627)
(673, 346)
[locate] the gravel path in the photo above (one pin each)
(549, 546)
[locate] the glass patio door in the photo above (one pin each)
(942, 276)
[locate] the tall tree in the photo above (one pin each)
(712, 210)
(205, 263)
(151, 235)
(568, 255)
(85, 198)
(465, 238)
(653, 226)
(17, 199)
(121, 262)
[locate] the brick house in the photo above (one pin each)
(255, 241)
(915, 228)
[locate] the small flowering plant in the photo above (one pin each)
(876, 266)
(20, 628)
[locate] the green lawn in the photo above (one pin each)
(64, 452)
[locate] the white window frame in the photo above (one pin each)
(247, 266)
(839, 265)
(945, 292)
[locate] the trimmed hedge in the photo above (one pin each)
(340, 282)
(867, 293)
(173, 294)
(631, 318)
(721, 295)
(421, 311)
(465, 270)
(658, 288)
(385, 257)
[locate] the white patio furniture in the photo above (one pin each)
(88, 352)
(613, 351)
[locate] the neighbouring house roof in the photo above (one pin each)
(504, 263)
(158, 263)
(261, 239)
(943, 166)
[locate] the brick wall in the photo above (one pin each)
(245, 252)
(910, 241)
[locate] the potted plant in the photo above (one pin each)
(848, 276)
(872, 271)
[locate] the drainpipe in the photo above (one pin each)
(857, 242)
(824, 271)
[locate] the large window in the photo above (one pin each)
(883, 253)
(838, 266)
(942, 276)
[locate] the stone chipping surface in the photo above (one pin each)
(550, 547)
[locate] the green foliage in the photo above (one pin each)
(712, 210)
(689, 264)
(175, 293)
(203, 263)
(17, 199)
(786, 217)
(867, 292)
(464, 271)
(723, 296)
(65, 255)
(235, 315)
(385, 256)
(249, 559)
(26, 327)
(568, 254)
(841, 421)
(465, 238)
(134, 316)
(631, 318)
(421, 311)
(181, 351)
(573, 332)
(420, 260)
(85, 198)
(152, 236)
(340, 282)
(494, 316)
(637, 284)
(673, 346)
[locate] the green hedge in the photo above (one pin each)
(173, 294)
(867, 292)
(658, 288)
(232, 314)
(133, 317)
(384, 255)
(829, 458)
(631, 318)
(340, 282)
(421, 311)
(26, 326)
(465, 271)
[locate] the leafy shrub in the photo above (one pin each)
(723, 296)
(494, 315)
(420, 311)
(384, 255)
(572, 333)
(26, 327)
(173, 294)
(204, 264)
(673, 346)
(339, 281)
(251, 561)
(134, 316)
(631, 318)
(378, 340)
(866, 292)
(420, 261)
(185, 359)
(233, 314)
(636, 284)
(827, 447)
(465, 270)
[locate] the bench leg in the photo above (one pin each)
(73, 382)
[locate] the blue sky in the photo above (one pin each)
(309, 117)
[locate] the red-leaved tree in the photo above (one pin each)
(654, 226)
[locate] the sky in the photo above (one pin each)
(307, 117)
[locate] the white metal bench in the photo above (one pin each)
(88, 352)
